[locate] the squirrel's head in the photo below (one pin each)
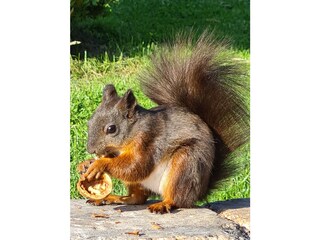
(112, 122)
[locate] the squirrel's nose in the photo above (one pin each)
(91, 149)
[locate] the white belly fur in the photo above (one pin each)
(156, 180)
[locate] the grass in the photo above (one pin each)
(117, 47)
(133, 25)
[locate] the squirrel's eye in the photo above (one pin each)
(111, 129)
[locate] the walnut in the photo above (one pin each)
(97, 189)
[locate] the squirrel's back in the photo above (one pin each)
(205, 78)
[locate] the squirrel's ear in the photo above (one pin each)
(128, 104)
(109, 93)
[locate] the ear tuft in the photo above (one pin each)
(130, 98)
(109, 93)
(128, 103)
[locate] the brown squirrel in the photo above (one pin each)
(179, 149)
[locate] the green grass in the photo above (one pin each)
(132, 25)
(117, 48)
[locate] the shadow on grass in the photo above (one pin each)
(133, 26)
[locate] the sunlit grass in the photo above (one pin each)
(128, 53)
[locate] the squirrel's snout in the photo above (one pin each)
(91, 149)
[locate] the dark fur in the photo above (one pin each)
(201, 118)
(206, 79)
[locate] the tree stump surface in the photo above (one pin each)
(230, 221)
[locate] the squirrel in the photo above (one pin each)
(181, 148)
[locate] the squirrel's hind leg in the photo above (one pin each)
(185, 183)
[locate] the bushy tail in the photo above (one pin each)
(206, 78)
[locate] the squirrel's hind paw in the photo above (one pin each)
(161, 207)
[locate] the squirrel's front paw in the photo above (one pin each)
(83, 166)
(95, 170)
